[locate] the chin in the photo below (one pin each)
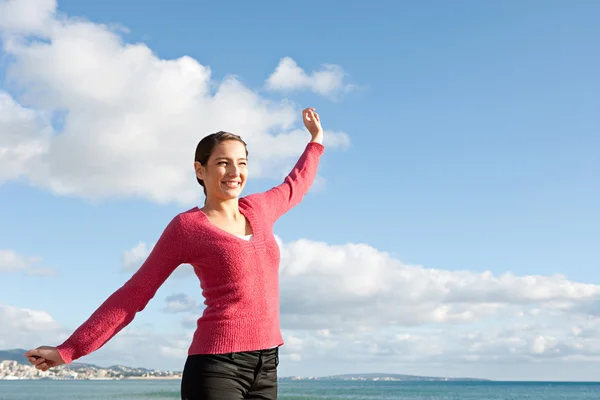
(230, 195)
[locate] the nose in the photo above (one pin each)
(234, 171)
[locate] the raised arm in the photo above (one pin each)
(280, 199)
(120, 308)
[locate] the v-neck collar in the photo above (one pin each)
(248, 215)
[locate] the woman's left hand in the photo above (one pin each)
(313, 124)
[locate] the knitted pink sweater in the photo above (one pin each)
(239, 278)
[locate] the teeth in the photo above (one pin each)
(232, 184)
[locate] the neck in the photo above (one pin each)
(228, 208)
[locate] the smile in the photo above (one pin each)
(232, 184)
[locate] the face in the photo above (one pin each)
(225, 173)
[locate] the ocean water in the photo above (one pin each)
(307, 390)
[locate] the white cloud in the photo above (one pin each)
(133, 258)
(11, 261)
(130, 120)
(354, 303)
(19, 327)
(189, 321)
(179, 302)
(346, 286)
(288, 76)
(457, 350)
(42, 272)
(27, 16)
(24, 137)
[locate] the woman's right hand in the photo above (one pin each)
(44, 357)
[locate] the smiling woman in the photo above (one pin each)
(221, 166)
(228, 151)
(230, 243)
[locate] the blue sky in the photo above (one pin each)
(472, 137)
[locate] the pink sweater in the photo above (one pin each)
(239, 278)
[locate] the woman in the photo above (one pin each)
(230, 244)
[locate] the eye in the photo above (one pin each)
(243, 163)
(222, 163)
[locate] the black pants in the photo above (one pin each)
(232, 376)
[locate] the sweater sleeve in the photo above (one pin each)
(120, 308)
(280, 199)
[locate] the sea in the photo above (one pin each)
(306, 390)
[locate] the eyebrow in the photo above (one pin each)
(227, 159)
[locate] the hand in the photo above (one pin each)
(313, 124)
(44, 357)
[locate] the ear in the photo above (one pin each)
(200, 170)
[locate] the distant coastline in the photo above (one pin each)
(14, 366)
(386, 377)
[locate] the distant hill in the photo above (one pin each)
(14, 355)
(399, 377)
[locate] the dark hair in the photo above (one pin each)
(207, 144)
